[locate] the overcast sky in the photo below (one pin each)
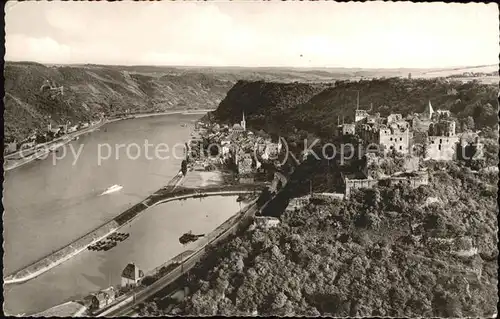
(300, 34)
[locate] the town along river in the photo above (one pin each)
(48, 206)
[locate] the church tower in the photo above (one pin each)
(243, 122)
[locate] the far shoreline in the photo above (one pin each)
(141, 115)
(16, 163)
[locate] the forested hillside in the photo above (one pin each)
(317, 108)
(89, 90)
(398, 252)
(264, 102)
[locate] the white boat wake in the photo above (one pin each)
(112, 189)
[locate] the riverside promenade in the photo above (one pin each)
(172, 191)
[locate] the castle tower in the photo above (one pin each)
(451, 128)
(243, 122)
(359, 114)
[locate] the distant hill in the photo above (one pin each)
(90, 89)
(264, 100)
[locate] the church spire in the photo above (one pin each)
(243, 122)
(429, 110)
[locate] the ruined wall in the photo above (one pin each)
(246, 180)
(298, 202)
(348, 129)
(351, 184)
(368, 134)
(414, 181)
(441, 148)
(395, 140)
(442, 128)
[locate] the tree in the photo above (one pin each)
(470, 123)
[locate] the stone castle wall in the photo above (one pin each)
(422, 178)
(351, 184)
(395, 140)
(441, 148)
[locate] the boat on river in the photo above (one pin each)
(189, 237)
(112, 189)
(118, 236)
(109, 245)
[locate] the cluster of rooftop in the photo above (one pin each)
(43, 136)
(232, 145)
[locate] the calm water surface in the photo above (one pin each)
(47, 206)
(154, 239)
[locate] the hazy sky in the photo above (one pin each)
(247, 33)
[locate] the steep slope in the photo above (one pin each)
(264, 102)
(385, 252)
(89, 90)
(400, 96)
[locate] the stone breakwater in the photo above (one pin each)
(67, 252)
(163, 195)
(63, 254)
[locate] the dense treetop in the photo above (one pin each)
(386, 252)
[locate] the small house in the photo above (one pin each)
(131, 275)
(103, 298)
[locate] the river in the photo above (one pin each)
(47, 206)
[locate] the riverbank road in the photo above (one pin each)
(153, 289)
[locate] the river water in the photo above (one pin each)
(47, 206)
